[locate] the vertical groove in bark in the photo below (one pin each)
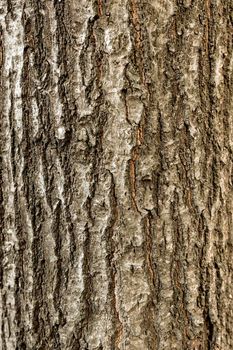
(116, 174)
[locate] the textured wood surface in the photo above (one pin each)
(116, 196)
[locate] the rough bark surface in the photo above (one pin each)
(116, 193)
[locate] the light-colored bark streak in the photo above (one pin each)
(72, 302)
(55, 74)
(116, 175)
(11, 127)
(131, 287)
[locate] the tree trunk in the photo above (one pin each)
(116, 175)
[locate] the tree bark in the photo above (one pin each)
(116, 195)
